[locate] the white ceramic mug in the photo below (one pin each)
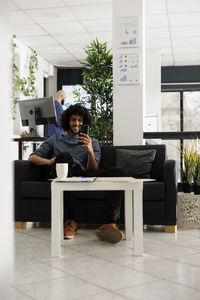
(61, 170)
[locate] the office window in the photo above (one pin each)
(191, 109)
(170, 121)
(170, 111)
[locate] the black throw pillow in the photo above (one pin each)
(135, 163)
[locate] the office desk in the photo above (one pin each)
(33, 140)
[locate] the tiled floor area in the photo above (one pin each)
(93, 270)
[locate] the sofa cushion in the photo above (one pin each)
(135, 163)
(154, 191)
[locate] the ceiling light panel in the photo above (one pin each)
(183, 31)
(186, 6)
(63, 28)
(98, 25)
(76, 38)
(156, 21)
(185, 41)
(80, 56)
(65, 62)
(51, 15)
(68, 64)
(38, 40)
(28, 30)
(51, 50)
(153, 7)
(54, 57)
(12, 6)
(19, 17)
(157, 33)
(102, 36)
(98, 11)
(79, 48)
(185, 19)
(187, 59)
(30, 4)
(158, 43)
(187, 50)
(81, 2)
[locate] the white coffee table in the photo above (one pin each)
(133, 207)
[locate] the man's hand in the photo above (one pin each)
(86, 140)
(51, 161)
(87, 144)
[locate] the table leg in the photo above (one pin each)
(128, 203)
(20, 150)
(56, 216)
(62, 218)
(138, 221)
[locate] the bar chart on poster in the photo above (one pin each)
(128, 68)
(128, 32)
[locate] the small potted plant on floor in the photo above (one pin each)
(196, 173)
(187, 170)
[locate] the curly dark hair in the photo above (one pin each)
(78, 110)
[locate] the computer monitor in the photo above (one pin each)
(37, 112)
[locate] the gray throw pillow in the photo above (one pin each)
(135, 163)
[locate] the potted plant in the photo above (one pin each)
(187, 170)
(196, 173)
(98, 83)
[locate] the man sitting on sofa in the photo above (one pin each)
(83, 160)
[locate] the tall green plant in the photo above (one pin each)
(196, 172)
(98, 83)
(187, 153)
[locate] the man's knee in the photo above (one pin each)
(114, 172)
(64, 157)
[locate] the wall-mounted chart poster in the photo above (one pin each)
(128, 68)
(128, 32)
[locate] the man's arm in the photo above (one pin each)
(41, 155)
(59, 110)
(40, 160)
(91, 163)
(87, 144)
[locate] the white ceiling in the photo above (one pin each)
(60, 29)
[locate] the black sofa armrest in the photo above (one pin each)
(25, 171)
(171, 189)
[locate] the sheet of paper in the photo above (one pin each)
(76, 179)
(122, 179)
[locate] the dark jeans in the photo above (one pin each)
(114, 198)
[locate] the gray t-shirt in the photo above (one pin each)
(65, 142)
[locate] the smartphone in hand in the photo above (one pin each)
(85, 129)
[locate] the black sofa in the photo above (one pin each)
(32, 192)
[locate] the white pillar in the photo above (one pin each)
(128, 99)
(153, 86)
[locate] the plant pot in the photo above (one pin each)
(187, 188)
(197, 189)
(188, 211)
